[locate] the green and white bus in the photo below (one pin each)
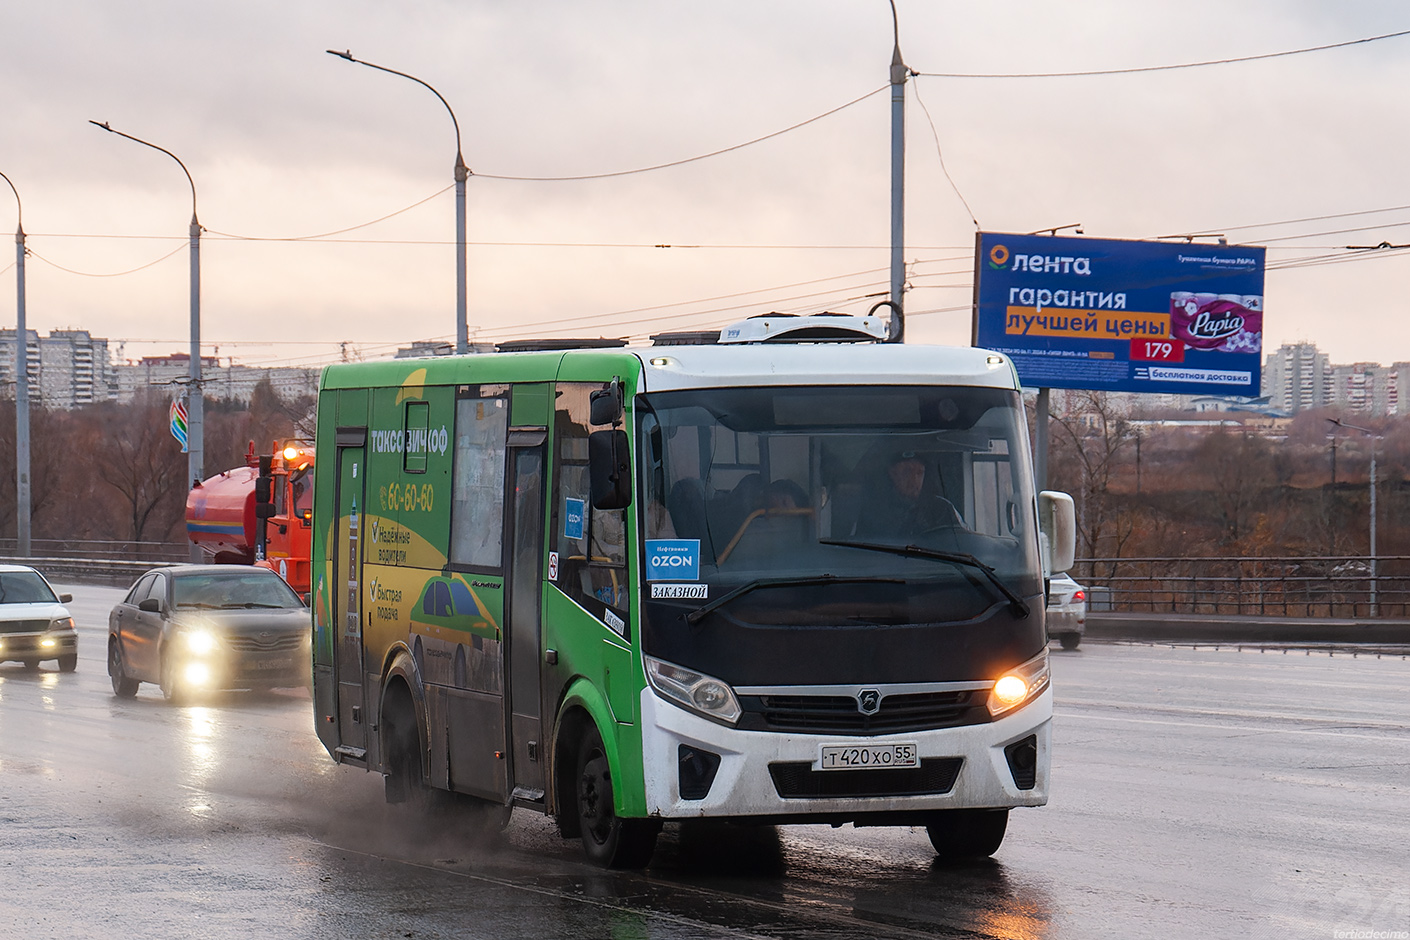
(792, 573)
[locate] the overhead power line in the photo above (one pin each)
(703, 156)
(140, 267)
(350, 228)
(1168, 68)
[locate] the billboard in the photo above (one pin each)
(1122, 316)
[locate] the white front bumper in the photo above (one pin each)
(744, 787)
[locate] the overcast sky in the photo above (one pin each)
(284, 141)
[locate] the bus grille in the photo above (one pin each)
(838, 714)
(23, 626)
(798, 780)
(254, 644)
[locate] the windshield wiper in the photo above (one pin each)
(695, 616)
(1016, 603)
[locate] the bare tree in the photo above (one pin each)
(1238, 469)
(1092, 432)
(142, 461)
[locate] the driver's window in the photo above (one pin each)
(590, 543)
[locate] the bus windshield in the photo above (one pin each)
(839, 483)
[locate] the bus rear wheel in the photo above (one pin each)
(608, 840)
(967, 834)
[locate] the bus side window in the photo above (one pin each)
(591, 543)
(477, 484)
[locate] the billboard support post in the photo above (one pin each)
(1040, 440)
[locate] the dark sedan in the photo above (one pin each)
(198, 628)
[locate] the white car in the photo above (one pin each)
(1067, 611)
(34, 623)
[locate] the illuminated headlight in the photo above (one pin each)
(48, 643)
(198, 642)
(708, 696)
(197, 674)
(62, 623)
(1019, 685)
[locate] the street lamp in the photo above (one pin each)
(22, 498)
(1375, 438)
(195, 403)
(899, 73)
(462, 334)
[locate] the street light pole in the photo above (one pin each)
(899, 73)
(22, 497)
(462, 173)
(1375, 440)
(195, 402)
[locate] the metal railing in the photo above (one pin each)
(102, 549)
(1338, 586)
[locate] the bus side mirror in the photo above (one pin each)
(609, 469)
(1057, 520)
(605, 404)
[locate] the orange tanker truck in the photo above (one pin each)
(258, 514)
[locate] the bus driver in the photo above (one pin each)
(908, 509)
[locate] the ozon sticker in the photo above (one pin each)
(673, 559)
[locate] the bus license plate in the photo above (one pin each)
(867, 757)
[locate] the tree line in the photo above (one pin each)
(112, 471)
(1148, 485)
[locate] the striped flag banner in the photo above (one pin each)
(178, 422)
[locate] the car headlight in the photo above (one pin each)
(61, 623)
(703, 694)
(198, 642)
(1019, 685)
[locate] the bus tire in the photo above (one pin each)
(966, 834)
(608, 840)
(405, 781)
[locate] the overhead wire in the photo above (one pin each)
(1167, 68)
(351, 228)
(695, 159)
(940, 156)
(142, 267)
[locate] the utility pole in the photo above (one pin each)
(195, 404)
(899, 74)
(23, 510)
(461, 173)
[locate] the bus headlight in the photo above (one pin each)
(699, 693)
(1019, 685)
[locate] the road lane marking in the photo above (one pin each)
(1206, 725)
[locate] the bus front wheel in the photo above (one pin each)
(608, 840)
(961, 834)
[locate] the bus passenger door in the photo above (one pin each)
(527, 748)
(346, 591)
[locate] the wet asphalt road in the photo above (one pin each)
(1197, 793)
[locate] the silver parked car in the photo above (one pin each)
(34, 624)
(1067, 611)
(199, 628)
